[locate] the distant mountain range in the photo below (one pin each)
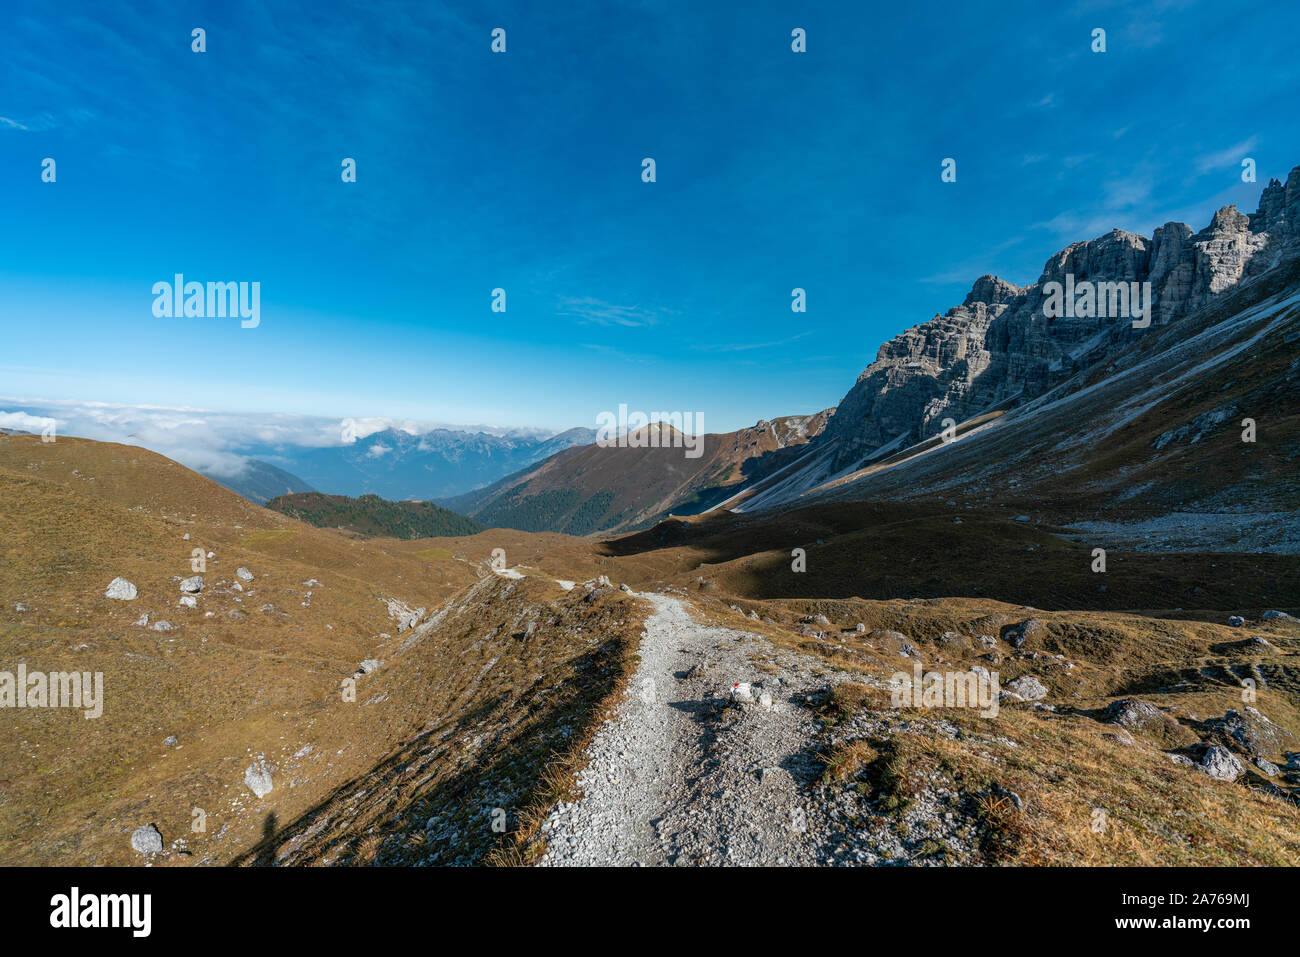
(262, 455)
(399, 465)
(595, 488)
(261, 482)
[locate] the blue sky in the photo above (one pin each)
(522, 171)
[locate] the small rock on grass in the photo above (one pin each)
(258, 779)
(121, 589)
(1267, 766)
(147, 840)
(1027, 687)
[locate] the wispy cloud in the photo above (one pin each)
(1125, 202)
(601, 313)
(1232, 156)
(611, 352)
(8, 124)
(747, 346)
(971, 269)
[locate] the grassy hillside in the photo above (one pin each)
(256, 667)
(261, 482)
(486, 702)
(372, 515)
(598, 489)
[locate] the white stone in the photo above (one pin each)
(121, 589)
(258, 779)
(146, 840)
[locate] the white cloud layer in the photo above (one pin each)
(218, 443)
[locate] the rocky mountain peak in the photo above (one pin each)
(992, 291)
(1000, 345)
(1279, 210)
(1118, 255)
(1229, 220)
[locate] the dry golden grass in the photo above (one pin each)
(232, 686)
(472, 712)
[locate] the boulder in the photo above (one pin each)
(1250, 732)
(1031, 630)
(1145, 718)
(258, 779)
(1270, 615)
(1236, 621)
(192, 585)
(1134, 714)
(1027, 687)
(1220, 763)
(243, 574)
(121, 589)
(147, 840)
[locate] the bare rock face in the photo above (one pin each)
(1220, 763)
(1250, 732)
(1000, 346)
(1279, 211)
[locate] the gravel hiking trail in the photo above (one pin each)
(684, 774)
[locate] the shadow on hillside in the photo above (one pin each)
(379, 817)
(885, 550)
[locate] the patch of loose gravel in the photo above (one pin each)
(685, 774)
